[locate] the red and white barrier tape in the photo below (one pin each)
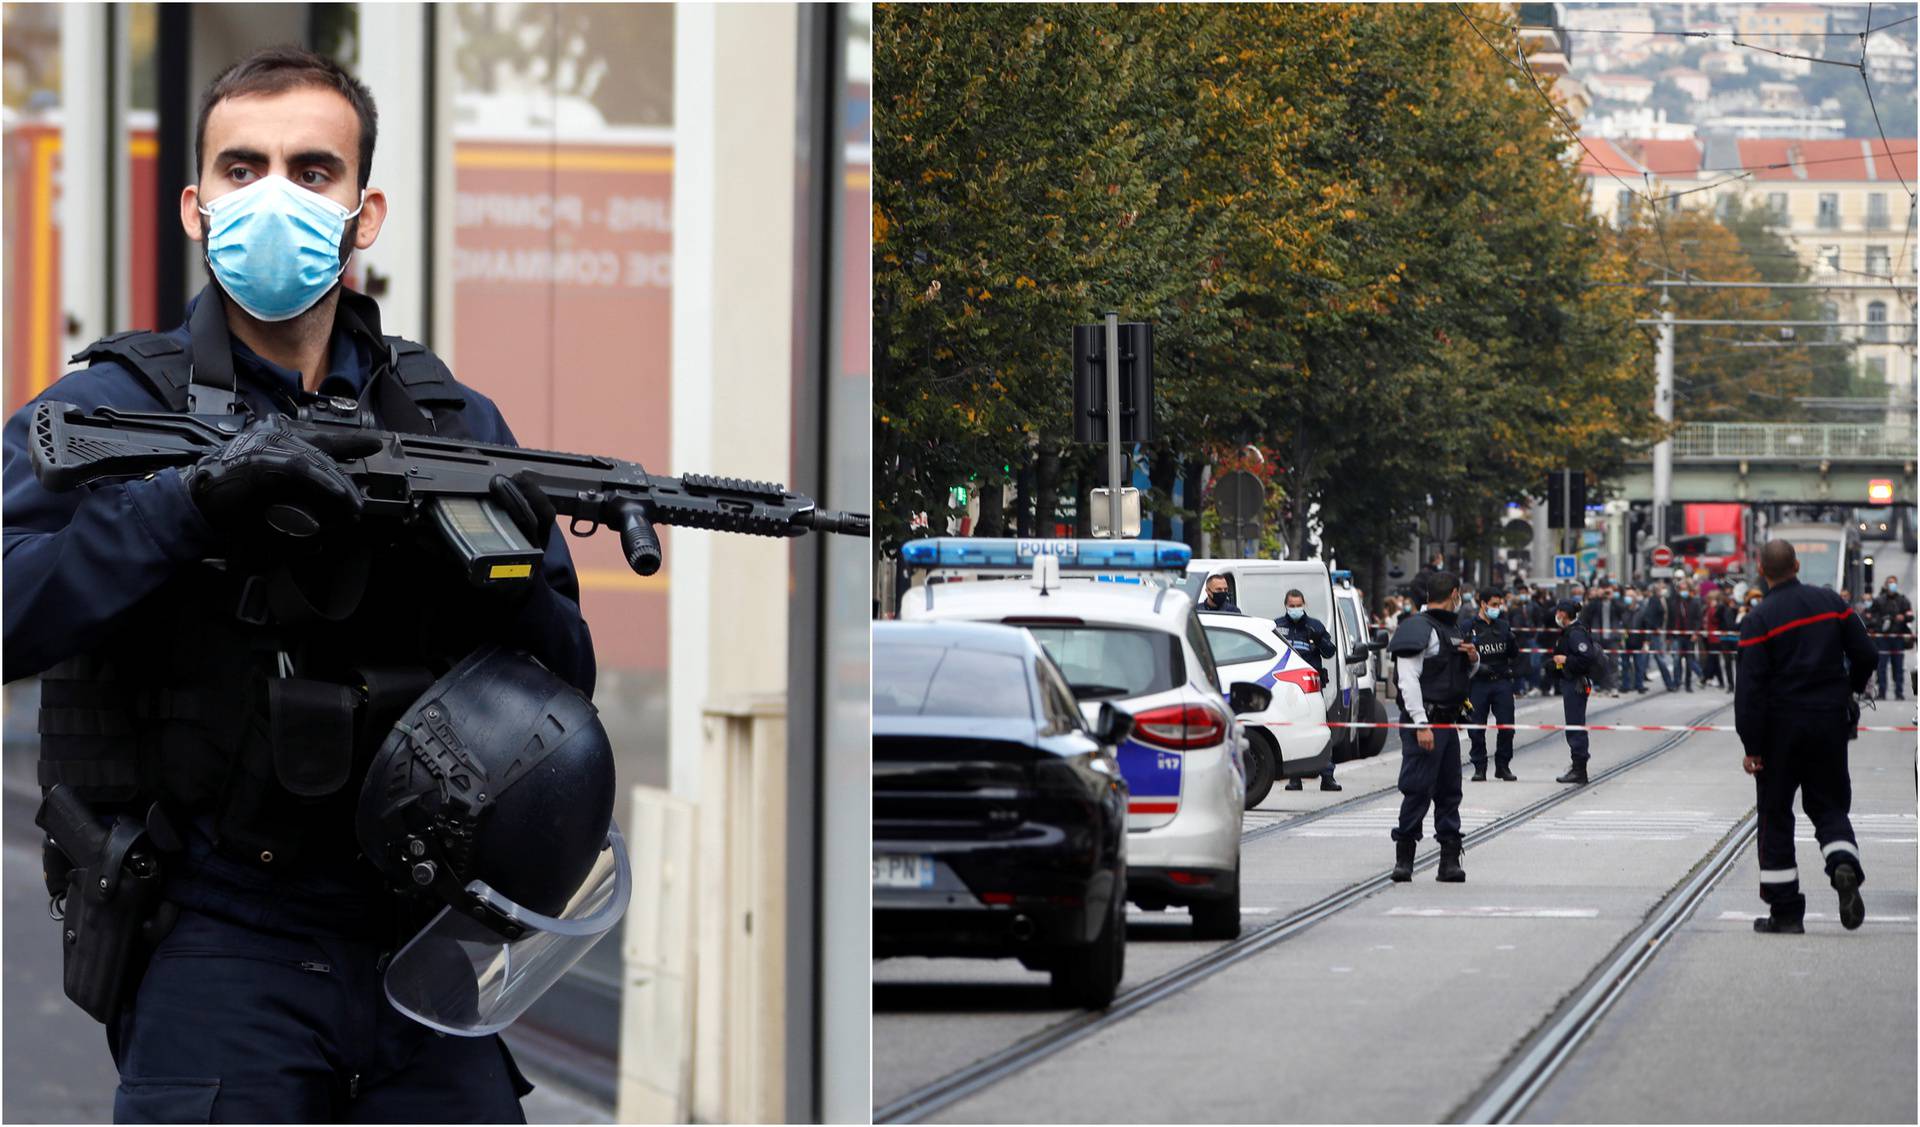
(1549, 727)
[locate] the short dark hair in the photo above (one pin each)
(1493, 593)
(1295, 593)
(1441, 584)
(275, 70)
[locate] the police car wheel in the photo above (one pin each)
(1218, 919)
(1263, 764)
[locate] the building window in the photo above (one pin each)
(1877, 261)
(1777, 204)
(1877, 211)
(1877, 322)
(1829, 258)
(1830, 312)
(1829, 210)
(1623, 208)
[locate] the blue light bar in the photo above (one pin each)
(1074, 555)
(1343, 576)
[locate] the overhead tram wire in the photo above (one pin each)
(1691, 34)
(1773, 167)
(1884, 146)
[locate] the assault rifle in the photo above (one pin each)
(413, 477)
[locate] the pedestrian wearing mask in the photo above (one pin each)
(1679, 626)
(1219, 599)
(1576, 657)
(1309, 638)
(1432, 665)
(1633, 653)
(1490, 692)
(1891, 615)
(1516, 612)
(1804, 656)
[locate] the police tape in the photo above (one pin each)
(1460, 727)
(1610, 631)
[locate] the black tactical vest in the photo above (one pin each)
(191, 702)
(1444, 675)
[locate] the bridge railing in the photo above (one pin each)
(1794, 441)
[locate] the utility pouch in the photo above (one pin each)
(111, 901)
(312, 732)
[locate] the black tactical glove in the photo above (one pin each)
(526, 505)
(268, 477)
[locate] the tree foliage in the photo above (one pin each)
(1354, 229)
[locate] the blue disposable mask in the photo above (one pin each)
(277, 248)
(1296, 613)
(1493, 613)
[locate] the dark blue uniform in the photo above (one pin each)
(264, 1002)
(1803, 654)
(1583, 660)
(1490, 693)
(1310, 639)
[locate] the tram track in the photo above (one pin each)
(933, 1097)
(1514, 1086)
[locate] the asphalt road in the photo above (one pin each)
(55, 1067)
(1402, 1006)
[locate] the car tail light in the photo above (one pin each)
(1305, 679)
(1181, 727)
(996, 897)
(1181, 876)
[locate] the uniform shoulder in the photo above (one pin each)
(105, 383)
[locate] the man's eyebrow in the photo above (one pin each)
(324, 158)
(240, 156)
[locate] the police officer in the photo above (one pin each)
(223, 686)
(1491, 690)
(1432, 664)
(1310, 639)
(1891, 615)
(1804, 657)
(1219, 598)
(1576, 658)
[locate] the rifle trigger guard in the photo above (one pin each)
(582, 525)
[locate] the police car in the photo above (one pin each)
(1259, 588)
(1112, 617)
(1288, 738)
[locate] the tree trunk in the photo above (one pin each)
(1376, 581)
(1082, 488)
(1023, 501)
(1194, 504)
(1162, 472)
(1046, 491)
(993, 518)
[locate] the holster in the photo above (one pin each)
(110, 913)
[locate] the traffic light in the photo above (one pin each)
(1566, 499)
(1090, 382)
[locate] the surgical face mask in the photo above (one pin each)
(1893, 587)
(1296, 613)
(277, 248)
(1493, 613)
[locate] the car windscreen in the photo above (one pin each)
(923, 680)
(1113, 661)
(1265, 594)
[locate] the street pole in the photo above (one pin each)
(1663, 409)
(1113, 423)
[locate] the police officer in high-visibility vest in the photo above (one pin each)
(1804, 657)
(1432, 663)
(1491, 692)
(1576, 657)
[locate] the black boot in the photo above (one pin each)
(1329, 784)
(1450, 870)
(1403, 860)
(1479, 773)
(1779, 925)
(1294, 784)
(1505, 774)
(1575, 774)
(1846, 881)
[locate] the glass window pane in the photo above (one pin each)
(1231, 647)
(916, 680)
(1101, 662)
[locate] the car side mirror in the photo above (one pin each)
(1245, 697)
(1111, 725)
(1360, 653)
(1379, 639)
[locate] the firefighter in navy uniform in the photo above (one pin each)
(221, 691)
(1309, 638)
(1576, 657)
(1804, 658)
(1432, 664)
(1491, 690)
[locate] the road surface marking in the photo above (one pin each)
(1496, 913)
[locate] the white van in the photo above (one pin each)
(1259, 588)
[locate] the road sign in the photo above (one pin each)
(1241, 499)
(1880, 490)
(1662, 556)
(1101, 513)
(1565, 567)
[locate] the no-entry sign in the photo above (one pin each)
(1662, 556)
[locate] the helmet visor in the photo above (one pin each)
(462, 977)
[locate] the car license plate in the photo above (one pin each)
(902, 870)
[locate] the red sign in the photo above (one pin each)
(1662, 556)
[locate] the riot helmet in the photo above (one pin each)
(492, 798)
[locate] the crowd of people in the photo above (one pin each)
(1685, 628)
